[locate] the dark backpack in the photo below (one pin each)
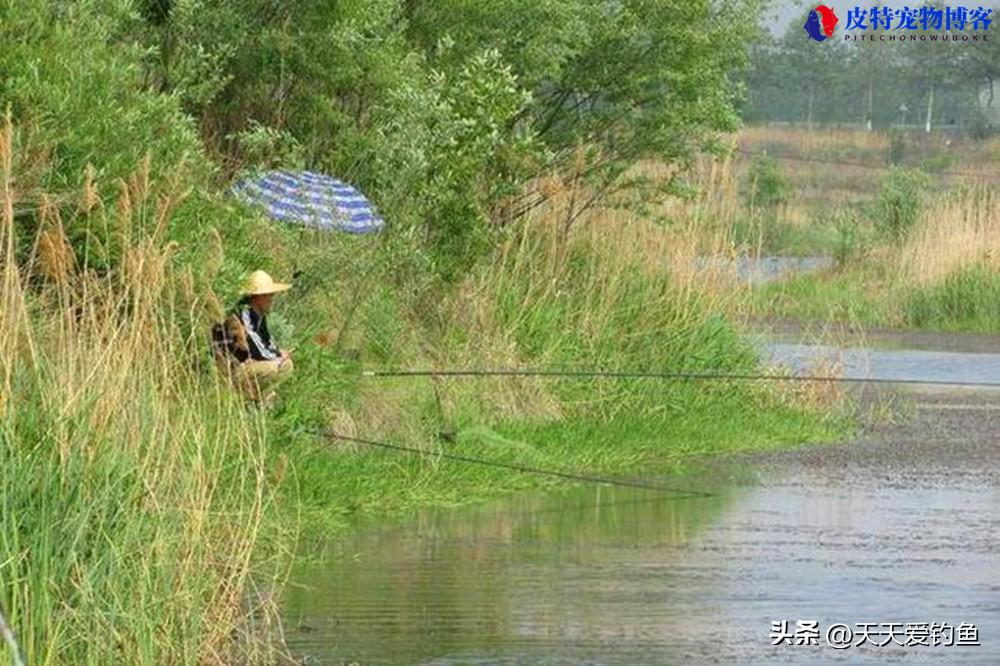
(229, 340)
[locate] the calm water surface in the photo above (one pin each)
(757, 270)
(893, 364)
(900, 526)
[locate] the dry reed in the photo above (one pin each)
(955, 232)
(97, 380)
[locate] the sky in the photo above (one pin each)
(792, 9)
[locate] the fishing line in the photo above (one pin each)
(681, 376)
(675, 493)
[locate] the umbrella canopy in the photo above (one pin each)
(312, 199)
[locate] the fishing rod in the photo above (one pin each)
(680, 376)
(675, 493)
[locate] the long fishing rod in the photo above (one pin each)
(680, 376)
(605, 374)
(675, 493)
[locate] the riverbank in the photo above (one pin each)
(336, 485)
(143, 500)
(874, 294)
(622, 576)
(598, 297)
(912, 244)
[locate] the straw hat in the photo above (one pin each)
(260, 282)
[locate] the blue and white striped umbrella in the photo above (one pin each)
(312, 199)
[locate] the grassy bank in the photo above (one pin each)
(914, 247)
(599, 296)
(148, 512)
(942, 274)
(133, 488)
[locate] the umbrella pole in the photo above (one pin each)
(337, 346)
(298, 252)
(347, 321)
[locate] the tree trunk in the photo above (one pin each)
(871, 103)
(809, 116)
(930, 111)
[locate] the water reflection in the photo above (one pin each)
(537, 570)
(600, 576)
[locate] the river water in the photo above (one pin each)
(760, 269)
(897, 527)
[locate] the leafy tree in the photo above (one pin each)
(981, 65)
(446, 112)
(74, 79)
(932, 70)
(812, 71)
(872, 70)
(868, 82)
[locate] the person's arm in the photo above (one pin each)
(265, 336)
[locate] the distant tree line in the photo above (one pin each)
(875, 84)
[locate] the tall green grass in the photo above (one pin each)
(600, 295)
(968, 299)
(132, 484)
(940, 274)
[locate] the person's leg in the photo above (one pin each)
(254, 376)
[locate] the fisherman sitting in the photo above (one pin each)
(245, 340)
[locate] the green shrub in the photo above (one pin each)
(75, 80)
(897, 205)
(767, 187)
(851, 237)
(444, 113)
